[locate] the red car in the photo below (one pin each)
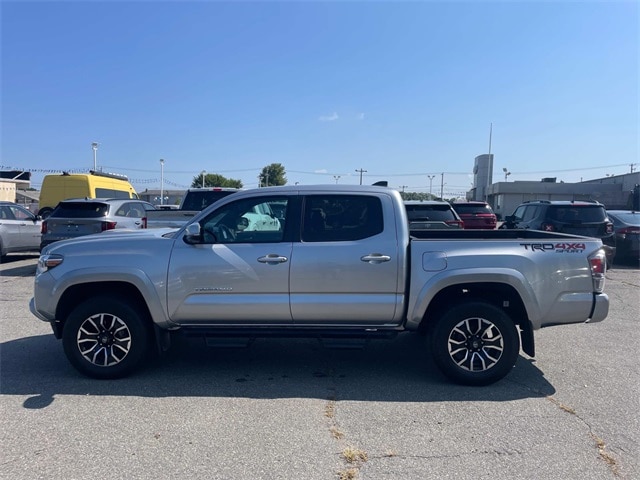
(476, 215)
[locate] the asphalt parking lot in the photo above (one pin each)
(291, 409)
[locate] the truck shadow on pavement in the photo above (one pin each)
(399, 370)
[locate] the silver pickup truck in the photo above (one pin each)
(342, 265)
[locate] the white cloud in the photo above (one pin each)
(361, 116)
(328, 118)
(324, 170)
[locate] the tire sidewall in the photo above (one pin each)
(476, 309)
(125, 312)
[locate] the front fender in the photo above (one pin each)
(153, 293)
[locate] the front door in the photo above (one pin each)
(237, 274)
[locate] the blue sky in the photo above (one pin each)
(402, 90)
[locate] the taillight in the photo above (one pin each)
(108, 225)
(457, 223)
(547, 227)
(43, 228)
(629, 231)
(598, 264)
(144, 222)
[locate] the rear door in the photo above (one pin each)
(28, 228)
(9, 228)
(345, 268)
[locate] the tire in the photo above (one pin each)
(105, 337)
(45, 212)
(475, 343)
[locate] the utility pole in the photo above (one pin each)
(442, 186)
(403, 187)
(361, 171)
(431, 177)
(633, 167)
(162, 181)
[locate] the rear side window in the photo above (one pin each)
(575, 214)
(426, 213)
(339, 218)
(110, 193)
(80, 210)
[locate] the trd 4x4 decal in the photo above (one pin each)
(555, 247)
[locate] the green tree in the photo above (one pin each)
(215, 180)
(272, 175)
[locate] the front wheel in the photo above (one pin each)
(105, 337)
(475, 343)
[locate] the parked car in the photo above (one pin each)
(431, 214)
(58, 187)
(589, 219)
(84, 216)
(476, 214)
(626, 225)
(19, 230)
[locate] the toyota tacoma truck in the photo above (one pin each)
(342, 266)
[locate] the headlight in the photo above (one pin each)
(48, 261)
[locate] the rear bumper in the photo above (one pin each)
(600, 308)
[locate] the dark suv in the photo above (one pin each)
(589, 219)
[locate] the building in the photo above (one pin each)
(615, 192)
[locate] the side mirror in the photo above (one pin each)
(193, 234)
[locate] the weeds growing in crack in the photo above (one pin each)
(354, 455)
(348, 474)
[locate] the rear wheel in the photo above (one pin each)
(105, 337)
(45, 212)
(475, 343)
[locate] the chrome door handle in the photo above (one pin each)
(272, 259)
(375, 258)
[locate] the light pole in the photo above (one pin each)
(203, 174)
(94, 146)
(336, 177)
(162, 181)
(506, 173)
(431, 177)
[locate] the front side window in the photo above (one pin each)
(334, 218)
(20, 213)
(246, 221)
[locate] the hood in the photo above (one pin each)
(110, 238)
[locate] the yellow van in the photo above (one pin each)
(56, 188)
